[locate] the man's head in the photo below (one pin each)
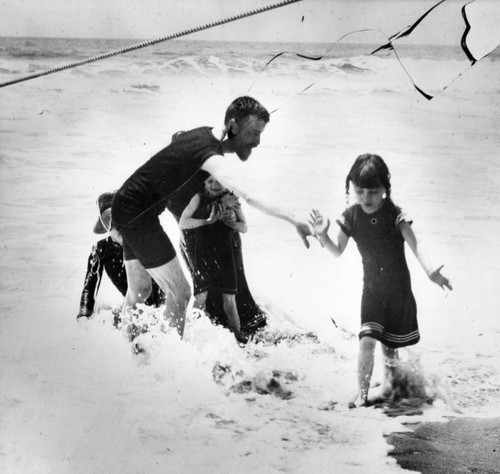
(245, 120)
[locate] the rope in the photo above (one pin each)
(388, 46)
(317, 58)
(150, 42)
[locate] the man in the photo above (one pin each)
(169, 180)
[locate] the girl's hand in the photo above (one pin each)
(214, 215)
(116, 236)
(439, 279)
(319, 225)
(228, 216)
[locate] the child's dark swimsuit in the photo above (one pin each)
(210, 248)
(252, 317)
(388, 308)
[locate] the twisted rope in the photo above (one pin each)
(150, 42)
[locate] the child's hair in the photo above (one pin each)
(369, 171)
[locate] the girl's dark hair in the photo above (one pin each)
(369, 171)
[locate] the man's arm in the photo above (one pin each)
(232, 176)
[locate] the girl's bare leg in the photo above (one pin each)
(231, 310)
(391, 361)
(200, 300)
(365, 369)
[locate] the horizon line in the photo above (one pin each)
(97, 38)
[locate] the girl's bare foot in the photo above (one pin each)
(360, 400)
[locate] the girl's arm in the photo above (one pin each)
(240, 224)
(188, 222)
(320, 228)
(434, 274)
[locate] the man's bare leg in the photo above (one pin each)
(172, 281)
(139, 284)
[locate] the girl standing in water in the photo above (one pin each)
(209, 224)
(380, 229)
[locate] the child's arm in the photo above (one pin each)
(433, 274)
(320, 228)
(238, 223)
(187, 221)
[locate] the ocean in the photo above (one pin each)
(74, 397)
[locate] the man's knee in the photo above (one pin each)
(143, 290)
(177, 287)
(172, 281)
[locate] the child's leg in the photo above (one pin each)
(391, 361)
(231, 310)
(365, 366)
(200, 300)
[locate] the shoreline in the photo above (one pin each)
(456, 445)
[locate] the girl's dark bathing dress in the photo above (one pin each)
(217, 248)
(388, 307)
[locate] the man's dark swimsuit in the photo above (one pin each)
(168, 180)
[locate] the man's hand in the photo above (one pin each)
(116, 236)
(304, 231)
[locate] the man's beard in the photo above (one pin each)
(244, 154)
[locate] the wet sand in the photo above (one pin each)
(459, 445)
